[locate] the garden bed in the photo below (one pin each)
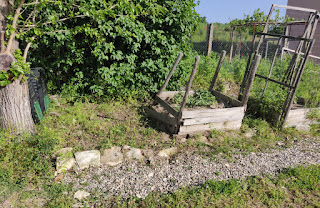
(226, 114)
(301, 117)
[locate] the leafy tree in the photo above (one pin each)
(104, 47)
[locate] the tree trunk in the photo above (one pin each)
(15, 111)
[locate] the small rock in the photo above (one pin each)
(168, 152)
(281, 144)
(183, 140)
(64, 164)
(250, 133)
(204, 140)
(165, 137)
(87, 158)
(112, 157)
(126, 147)
(81, 195)
(134, 154)
(58, 178)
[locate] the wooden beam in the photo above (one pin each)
(166, 106)
(161, 116)
(214, 79)
(252, 74)
(294, 8)
(210, 39)
(185, 98)
(170, 74)
(227, 99)
(220, 112)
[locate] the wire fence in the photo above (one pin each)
(239, 43)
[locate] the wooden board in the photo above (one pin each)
(231, 125)
(161, 116)
(215, 119)
(166, 105)
(221, 112)
(227, 99)
(171, 94)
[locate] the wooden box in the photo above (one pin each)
(195, 120)
(298, 117)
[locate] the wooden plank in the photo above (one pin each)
(161, 116)
(231, 125)
(170, 74)
(188, 88)
(253, 70)
(171, 94)
(223, 54)
(294, 8)
(227, 99)
(166, 105)
(225, 118)
(222, 112)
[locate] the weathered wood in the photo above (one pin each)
(228, 116)
(221, 112)
(227, 99)
(166, 106)
(311, 56)
(188, 89)
(170, 74)
(252, 74)
(289, 100)
(171, 94)
(265, 29)
(223, 54)
(266, 52)
(161, 116)
(231, 125)
(231, 46)
(210, 39)
(294, 8)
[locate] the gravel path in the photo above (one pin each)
(135, 179)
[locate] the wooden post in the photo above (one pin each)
(289, 101)
(170, 74)
(251, 77)
(2, 42)
(185, 98)
(210, 39)
(266, 51)
(222, 56)
(285, 44)
(231, 46)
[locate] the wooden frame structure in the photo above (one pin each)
(296, 67)
(187, 121)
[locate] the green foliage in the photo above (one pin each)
(117, 46)
(199, 98)
(17, 70)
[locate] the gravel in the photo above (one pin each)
(137, 179)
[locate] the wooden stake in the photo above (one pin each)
(185, 98)
(210, 39)
(231, 46)
(222, 56)
(251, 77)
(2, 42)
(170, 74)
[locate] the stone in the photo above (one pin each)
(87, 158)
(250, 133)
(204, 140)
(134, 154)
(81, 195)
(112, 157)
(126, 147)
(168, 152)
(64, 164)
